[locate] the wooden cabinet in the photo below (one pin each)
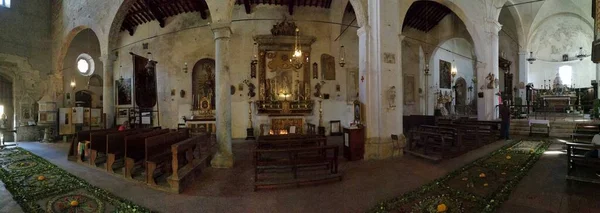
(354, 143)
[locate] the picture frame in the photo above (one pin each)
(357, 112)
(335, 128)
(315, 70)
(409, 89)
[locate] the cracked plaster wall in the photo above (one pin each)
(24, 51)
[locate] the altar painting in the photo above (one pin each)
(445, 77)
(283, 80)
(203, 82)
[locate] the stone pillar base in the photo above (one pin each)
(222, 161)
(383, 148)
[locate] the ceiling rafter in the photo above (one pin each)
(144, 11)
(425, 15)
(291, 4)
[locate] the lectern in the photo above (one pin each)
(354, 143)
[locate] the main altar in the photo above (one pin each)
(556, 96)
(284, 89)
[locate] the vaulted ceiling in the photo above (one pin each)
(425, 15)
(144, 11)
(289, 3)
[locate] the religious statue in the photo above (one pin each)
(491, 81)
(392, 97)
(317, 90)
(251, 88)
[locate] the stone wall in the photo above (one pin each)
(24, 52)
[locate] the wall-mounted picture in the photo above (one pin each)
(123, 91)
(445, 77)
(409, 89)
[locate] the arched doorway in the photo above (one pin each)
(83, 98)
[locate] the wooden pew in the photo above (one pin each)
(158, 151)
(577, 160)
(115, 146)
(187, 160)
(81, 136)
(443, 142)
(134, 149)
(297, 161)
(292, 142)
(98, 143)
(584, 132)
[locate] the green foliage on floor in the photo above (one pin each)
(40, 186)
(480, 186)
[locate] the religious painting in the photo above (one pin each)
(328, 67)
(25, 111)
(315, 70)
(282, 79)
(203, 81)
(445, 77)
(123, 91)
(144, 73)
(409, 89)
(352, 84)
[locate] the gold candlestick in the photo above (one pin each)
(250, 114)
(320, 113)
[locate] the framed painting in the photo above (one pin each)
(445, 77)
(123, 91)
(409, 89)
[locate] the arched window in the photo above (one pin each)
(566, 74)
(5, 3)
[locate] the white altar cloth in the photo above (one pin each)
(542, 122)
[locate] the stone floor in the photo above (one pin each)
(365, 183)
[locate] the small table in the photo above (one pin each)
(533, 122)
(2, 144)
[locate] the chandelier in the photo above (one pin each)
(531, 59)
(297, 59)
(581, 55)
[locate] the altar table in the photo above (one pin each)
(534, 122)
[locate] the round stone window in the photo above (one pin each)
(85, 64)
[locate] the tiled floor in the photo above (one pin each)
(365, 183)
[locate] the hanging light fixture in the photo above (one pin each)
(342, 56)
(581, 55)
(297, 59)
(531, 59)
(255, 53)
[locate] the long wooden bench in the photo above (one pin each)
(98, 144)
(81, 136)
(303, 165)
(115, 146)
(188, 158)
(577, 162)
(158, 152)
(584, 132)
(293, 142)
(134, 149)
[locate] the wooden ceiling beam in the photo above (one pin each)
(291, 6)
(203, 9)
(247, 6)
(153, 8)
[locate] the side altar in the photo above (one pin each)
(284, 88)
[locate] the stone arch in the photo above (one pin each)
(66, 44)
(518, 23)
(360, 12)
(448, 39)
(459, 12)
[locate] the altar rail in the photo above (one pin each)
(547, 112)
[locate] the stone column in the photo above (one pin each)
(597, 78)
(108, 91)
(224, 156)
(486, 106)
(523, 73)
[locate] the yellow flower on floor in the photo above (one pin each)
(465, 179)
(503, 173)
(41, 178)
(442, 208)
(508, 157)
(485, 184)
(482, 175)
(74, 203)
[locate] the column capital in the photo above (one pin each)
(221, 30)
(108, 57)
(363, 30)
(523, 52)
(493, 26)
